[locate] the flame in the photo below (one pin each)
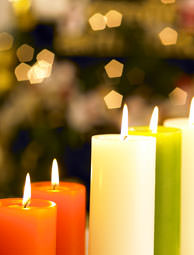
(27, 192)
(154, 121)
(124, 124)
(191, 114)
(55, 174)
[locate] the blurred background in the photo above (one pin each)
(68, 66)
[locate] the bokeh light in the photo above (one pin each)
(178, 96)
(21, 72)
(25, 53)
(168, 1)
(113, 100)
(168, 36)
(6, 41)
(21, 6)
(114, 69)
(113, 18)
(97, 22)
(46, 55)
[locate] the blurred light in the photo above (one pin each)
(168, 36)
(113, 100)
(39, 71)
(191, 112)
(97, 22)
(36, 74)
(6, 41)
(178, 96)
(168, 1)
(25, 53)
(136, 76)
(5, 79)
(21, 6)
(114, 69)
(21, 72)
(46, 55)
(113, 18)
(124, 123)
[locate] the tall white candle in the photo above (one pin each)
(122, 195)
(187, 180)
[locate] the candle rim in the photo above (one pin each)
(36, 204)
(70, 186)
(111, 138)
(160, 130)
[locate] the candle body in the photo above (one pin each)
(167, 200)
(187, 184)
(71, 214)
(30, 231)
(122, 196)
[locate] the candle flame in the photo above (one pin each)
(27, 192)
(154, 121)
(55, 174)
(124, 124)
(191, 114)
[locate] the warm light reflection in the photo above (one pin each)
(6, 41)
(113, 18)
(55, 174)
(114, 69)
(191, 114)
(154, 121)
(113, 100)
(168, 36)
(178, 96)
(27, 192)
(25, 53)
(21, 72)
(97, 22)
(124, 124)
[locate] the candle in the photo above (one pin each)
(122, 194)
(187, 180)
(27, 226)
(167, 203)
(70, 200)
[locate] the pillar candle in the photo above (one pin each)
(122, 195)
(187, 183)
(167, 198)
(71, 207)
(27, 230)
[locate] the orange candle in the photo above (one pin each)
(71, 212)
(27, 227)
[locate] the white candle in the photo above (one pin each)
(187, 180)
(122, 195)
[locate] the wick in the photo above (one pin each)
(27, 203)
(54, 186)
(125, 137)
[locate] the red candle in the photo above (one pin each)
(27, 227)
(71, 212)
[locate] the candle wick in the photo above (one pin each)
(125, 137)
(54, 186)
(27, 203)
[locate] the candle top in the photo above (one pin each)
(178, 122)
(161, 129)
(35, 204)
(64, 187)
(116, 137)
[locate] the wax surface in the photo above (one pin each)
(71, 214)
(167, 203)
(187, 184)
(122, 196)
(30, 231)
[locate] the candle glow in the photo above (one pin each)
(124, 124)
(55, 174)
(154, 121)
(191, 113)
(27, 192)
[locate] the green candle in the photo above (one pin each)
(167, 197)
